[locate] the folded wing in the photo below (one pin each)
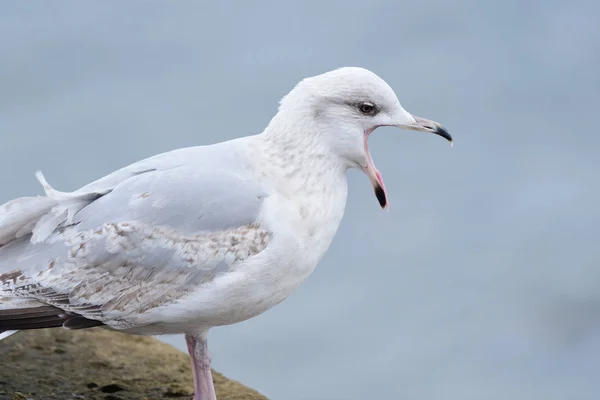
(121, 250)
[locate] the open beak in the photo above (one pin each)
(416, 124)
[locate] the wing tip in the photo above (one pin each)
(42, 317)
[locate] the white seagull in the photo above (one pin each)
(201, 236)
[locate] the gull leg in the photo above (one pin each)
(204, 388)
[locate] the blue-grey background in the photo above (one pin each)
(482, 282)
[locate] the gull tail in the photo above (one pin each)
(41, 215)
(38, 217)
(5, 334)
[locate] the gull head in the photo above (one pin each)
(344, 107)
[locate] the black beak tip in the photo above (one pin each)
(441, 131)
(380, 194)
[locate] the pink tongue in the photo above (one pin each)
(379, 186)
(379, 178)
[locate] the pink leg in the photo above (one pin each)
(204, 388)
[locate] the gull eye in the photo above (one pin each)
(367, 108)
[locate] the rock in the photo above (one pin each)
(97, 364)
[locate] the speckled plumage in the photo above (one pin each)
(121, 270)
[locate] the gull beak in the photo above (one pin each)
(426, 125)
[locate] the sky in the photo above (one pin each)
(482, 280)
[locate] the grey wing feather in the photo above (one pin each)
(125, 252)
(41, 215)
(190, 201)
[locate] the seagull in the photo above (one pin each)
(201, 236)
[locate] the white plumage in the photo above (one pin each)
(202, 236)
